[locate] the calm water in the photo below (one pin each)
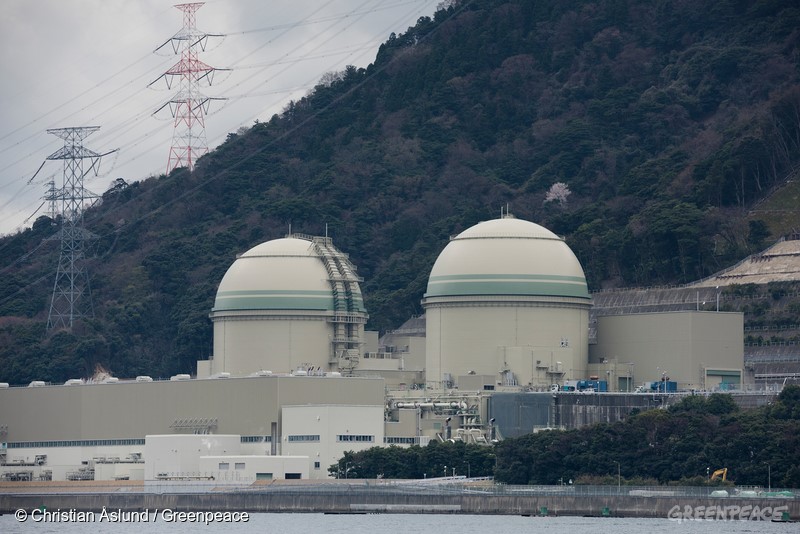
(409, 523)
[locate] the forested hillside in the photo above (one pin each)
(642, 131)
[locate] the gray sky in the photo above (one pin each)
(88, 63)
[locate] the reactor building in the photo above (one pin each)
(507, 304)
(285, 305)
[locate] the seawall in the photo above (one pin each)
(394, 499)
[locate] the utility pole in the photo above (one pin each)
(71, 298)
(188, 106)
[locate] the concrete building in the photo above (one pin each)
(506, 300)
(324, 432)
(699, 350)
(284, 305)
(398, 356)
(248, 467)
(66, 432)
(177, 456)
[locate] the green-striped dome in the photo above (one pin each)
(507, 257)
(283, 274)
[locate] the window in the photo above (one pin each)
(224, 466)
(353, 437)
(400, 440)
(263, 476)
(76, 443)
(255, 439)
(293, 476)
(303, 438)
(238, 466)
(316, 465)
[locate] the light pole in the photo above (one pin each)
(769, 477)
(662, 388)
(717, 298)
(630, 376)
(346, 469)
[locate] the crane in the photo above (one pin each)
(720, 472)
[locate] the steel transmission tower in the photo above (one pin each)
(71, 299)
(189, 106)
(51, 198)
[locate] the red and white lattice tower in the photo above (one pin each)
(188, 106)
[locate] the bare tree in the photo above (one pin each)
(329, 78)
(445, 4)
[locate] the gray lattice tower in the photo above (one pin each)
(52, 198)
(71, 296)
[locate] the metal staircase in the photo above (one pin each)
(348, 316)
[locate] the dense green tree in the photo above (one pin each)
(667, 446)
(415, 462)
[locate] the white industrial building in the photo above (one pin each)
(324, 432)
(217, 457)
(295, 380)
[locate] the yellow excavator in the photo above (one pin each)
(720, 473)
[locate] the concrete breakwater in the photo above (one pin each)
(335, 498)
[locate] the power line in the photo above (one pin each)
(254, 92)
(46, 114)
(289, 132)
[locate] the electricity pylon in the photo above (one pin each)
(71, 296)
(188, 106)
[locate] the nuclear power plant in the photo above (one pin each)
(508, 345)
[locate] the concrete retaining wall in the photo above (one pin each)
(362, 501)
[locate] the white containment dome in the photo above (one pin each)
(506, 299)
(286, 305)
